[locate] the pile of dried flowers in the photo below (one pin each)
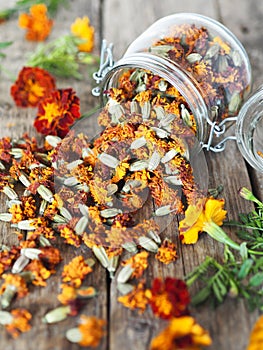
(71, 186)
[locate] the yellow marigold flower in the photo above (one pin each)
(138, 298)
(195, 222)
(76, 271)
(181, 333)
(256, 336)
(138, 262)
(20, 322)
(167, 252)
(37, 23)
(83, 30)
(89, 332)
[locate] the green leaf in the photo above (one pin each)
(217, 292)
(256, 280)
(245, 269)
(243, 250)
(201, 296)
(5, 44)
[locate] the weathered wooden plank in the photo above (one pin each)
(16, 121)
(247, 26)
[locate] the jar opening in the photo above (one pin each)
(249, 130)
(168, 71)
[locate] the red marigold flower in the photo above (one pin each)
(57, 112)
(32, 84)
(170, 298)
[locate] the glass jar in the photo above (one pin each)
(201, 59)
(249, 130)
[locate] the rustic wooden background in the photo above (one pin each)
(121, 21)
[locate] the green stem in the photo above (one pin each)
(218, 234)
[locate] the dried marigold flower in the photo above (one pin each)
(181, 333)
(8, 257)
(138, 298)
(37, 23)
(138, 262)
(75, 272)
(82, 29)
(50, 257)
(169, 298)
(57, 112)
(67, 295)
(14, 285)
(17, 213)
(20, 322)
(31, 86)
(89, 332)
(167, 252)
(39, 273)
(69, 235)
(5, 147)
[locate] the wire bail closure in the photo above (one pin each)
(106, 64)
(218, 130)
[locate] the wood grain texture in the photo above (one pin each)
(15, 122)
(121, 21)
(248, 26)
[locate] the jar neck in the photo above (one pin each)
(173, 74)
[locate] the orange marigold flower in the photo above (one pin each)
(169, 298)
(138, 298)
(181, 333)
(89, 332)
(20, 322)
(138, 262)
(82, 29)
(37, 23)
(167, 252)
(76, 271)
(57, 112)
(31, 86)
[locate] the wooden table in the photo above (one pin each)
(121, 22)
